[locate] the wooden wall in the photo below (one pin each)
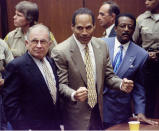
(57, 14)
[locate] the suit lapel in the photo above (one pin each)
(34, 72)
(77, 59)
(127, 61)
(111, 49)
(98, 61)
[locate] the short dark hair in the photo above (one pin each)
(30, 11)
(82, 11)
(126, 15)
(114, 8)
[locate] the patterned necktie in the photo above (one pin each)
(118, 59)
(50, 81)
(92, 94)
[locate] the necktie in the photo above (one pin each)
(92, 94)
(50, 82)
(118, 59)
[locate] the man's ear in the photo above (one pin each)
(72, 27)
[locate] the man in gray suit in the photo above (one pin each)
(82, 103)
(107, 13)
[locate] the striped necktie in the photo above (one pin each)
(50, 81)
(118, 59)
(92, 94)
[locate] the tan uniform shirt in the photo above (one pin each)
(5, 55)
(16, 42)
(147, 31)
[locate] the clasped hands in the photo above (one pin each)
(81, 93)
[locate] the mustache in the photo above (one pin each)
(125, 33)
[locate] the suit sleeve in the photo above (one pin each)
(11, 93)
(62, 72)
(139, 91)
(111, 79)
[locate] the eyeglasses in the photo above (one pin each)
(42, 42)
(126, 25)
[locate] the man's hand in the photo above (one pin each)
(153, 55)
(127, 85)
(1, 81)
(81, 94)
(141, 117)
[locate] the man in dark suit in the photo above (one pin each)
(82, 108)
(30, 97)
(116, 104)
(107, 13)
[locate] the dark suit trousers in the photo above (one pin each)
(95, 120)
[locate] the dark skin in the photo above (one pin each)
(83, 31)
(125, 30)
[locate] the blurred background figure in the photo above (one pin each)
(107, 13)
(5, 57)
(26, 15)
(147, 36)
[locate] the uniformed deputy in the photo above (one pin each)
(147, 36)
(26, 15)
(5, 57)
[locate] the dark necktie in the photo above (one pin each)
(92, 94)
(118, 59)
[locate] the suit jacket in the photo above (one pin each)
(116, 104)
(72, 75)
(112, 33)
(27, 100)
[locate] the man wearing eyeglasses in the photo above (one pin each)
(128, 61)
(30, 92)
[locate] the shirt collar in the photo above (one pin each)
(108, 30)
(117, 44)
(81, 46)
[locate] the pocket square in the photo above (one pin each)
(131, 66)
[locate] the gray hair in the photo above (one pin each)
(41, 26)
(114, 8)
(30, 11)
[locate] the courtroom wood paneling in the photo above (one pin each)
(57, 14)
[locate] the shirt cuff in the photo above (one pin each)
(72, 96)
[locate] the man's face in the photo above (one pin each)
(152, 5)
(38, 43)
(83, 28)
(124, 29)
(19, 19)
(105, 18)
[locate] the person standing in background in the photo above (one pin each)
(26, 15)
(147, 36)
(5, 57)
(107, 13)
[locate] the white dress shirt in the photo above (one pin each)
(39, 64)
(117, 45)
(91, 53)
(108, 30)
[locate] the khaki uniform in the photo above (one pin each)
(147, 36)
(147, 31)
(5, 55)
(16, 42)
